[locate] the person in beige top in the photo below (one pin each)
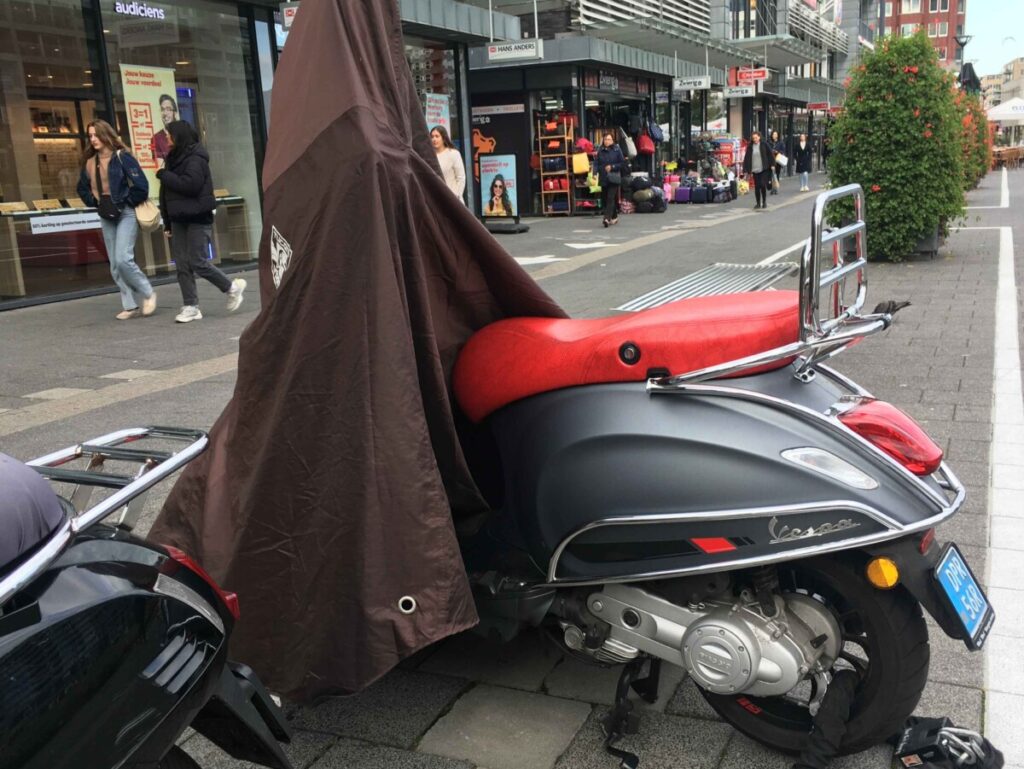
(452, 168)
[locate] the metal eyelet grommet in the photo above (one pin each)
(407, 604)
(629, 353)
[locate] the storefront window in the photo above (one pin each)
(435, 78)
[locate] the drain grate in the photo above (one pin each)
(713, 280)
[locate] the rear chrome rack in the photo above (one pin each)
(129, 490)
(822, 334)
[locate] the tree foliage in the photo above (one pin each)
(975, 138)
(899, 136)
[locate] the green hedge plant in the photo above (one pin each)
(976, 142)
(899, 137)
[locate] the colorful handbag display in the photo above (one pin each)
(580, 163)
(645, 145)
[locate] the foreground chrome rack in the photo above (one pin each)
(820, 337)
(154, 466)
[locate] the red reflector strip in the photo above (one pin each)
(713, 545)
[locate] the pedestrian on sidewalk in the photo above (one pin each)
(610, 162)
(758, 162)
(778, 147)
(187, 205)
(452, 168)
(802, 156)
(112, 182)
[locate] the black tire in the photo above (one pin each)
(177, 758)
(889, 630)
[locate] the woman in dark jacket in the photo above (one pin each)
(610, 160)
(113, 183)
(187, 205)
(778, 147)
(758, 162)
(804, 161)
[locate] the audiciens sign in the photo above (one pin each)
(140, 10)
(515, 50)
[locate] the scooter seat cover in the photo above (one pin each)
(29, 510)
(519, 357)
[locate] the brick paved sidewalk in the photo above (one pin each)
(467, 703)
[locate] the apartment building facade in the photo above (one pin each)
(943, 20)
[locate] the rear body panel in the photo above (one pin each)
(613, 483)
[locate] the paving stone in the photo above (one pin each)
(304, 749)
(966, 413)
(965, 529)
(1002, 725)
(506, 728)
(1006, 654)
(689, 702)
(1007, 477)
(1008, 532)
(963, 704)
(1006, 568)
(744, 753)
(394, 711)
(664, 742)
(349, 753)
(576, 680)
(1009, 608)
(520, 664)
(952, 663)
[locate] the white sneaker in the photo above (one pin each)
(188, 314)
(235, 294)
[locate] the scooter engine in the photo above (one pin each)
(727, 647)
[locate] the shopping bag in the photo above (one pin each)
(782, 160)
(580, 163)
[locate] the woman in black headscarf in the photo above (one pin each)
(187, 205)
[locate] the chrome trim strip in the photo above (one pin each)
(42, 559)
(843, 380)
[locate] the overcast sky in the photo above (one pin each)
(997, 27)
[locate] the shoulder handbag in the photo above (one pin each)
(106, 207)
(146, 212)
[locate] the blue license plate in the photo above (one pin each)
(966, 598)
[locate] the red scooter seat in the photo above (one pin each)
(519, 357)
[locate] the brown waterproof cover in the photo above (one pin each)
(329, 488)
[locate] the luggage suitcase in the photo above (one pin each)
(699, 195)
(683, 194)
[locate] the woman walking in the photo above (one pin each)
(113, 183)
(758, 162)
(778, 147)
(187, 204)
(610, 161)
(452, 168)
(802, 155)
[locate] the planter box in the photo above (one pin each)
(928, 245)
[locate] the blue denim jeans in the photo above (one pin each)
(119, 238)
(804, 179)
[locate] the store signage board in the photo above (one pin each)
(818, 105)
(43, 225)
(498, 109)
(738, 91)
(437, 111)
(516, 50)
(750, 75)
(701, 83)
(608, 82)
(288, 11)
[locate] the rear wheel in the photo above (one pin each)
(884, 638)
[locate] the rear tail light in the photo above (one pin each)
(895, 433)
(230, 600)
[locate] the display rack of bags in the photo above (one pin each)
(554, 146)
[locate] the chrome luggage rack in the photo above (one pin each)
(129, 491)
(822, 335)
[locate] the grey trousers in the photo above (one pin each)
(190, 246)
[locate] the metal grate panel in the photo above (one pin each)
(713, 280)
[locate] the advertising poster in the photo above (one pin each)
(498, 185)
(148, 111)
(437, 111)
(501, 127)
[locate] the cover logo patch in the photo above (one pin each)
(280, 255)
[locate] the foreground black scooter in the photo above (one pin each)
(110, 647)
(691, 485)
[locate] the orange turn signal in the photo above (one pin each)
(883, 573)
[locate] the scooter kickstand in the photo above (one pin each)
(622, 720)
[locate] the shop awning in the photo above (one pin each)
(1009, 112)
(662, 37)
(458, 22)
(782, 50)
(814, 89)
(599, 52)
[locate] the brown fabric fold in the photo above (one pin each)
(333, 475)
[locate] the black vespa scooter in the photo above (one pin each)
(691, 485)
(110, 647)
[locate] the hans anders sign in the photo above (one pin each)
(518, 49)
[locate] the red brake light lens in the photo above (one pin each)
(895, 433)
(230, 600)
